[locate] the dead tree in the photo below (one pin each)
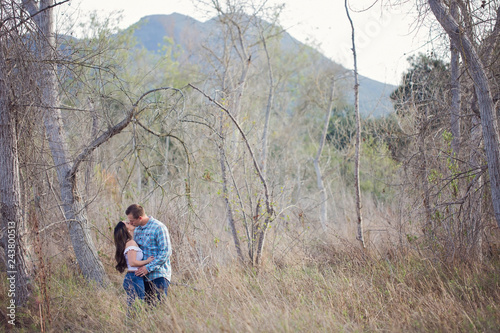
(359, 233)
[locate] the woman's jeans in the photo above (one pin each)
(134, 286)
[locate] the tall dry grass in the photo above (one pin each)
(343, 291)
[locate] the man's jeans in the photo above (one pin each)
(134, 286)
(155, 289)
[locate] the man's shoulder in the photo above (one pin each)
(156, 224)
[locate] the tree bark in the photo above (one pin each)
(90, 165)
(10, 195)
(483, 91)
(474, 227)
(455, 90)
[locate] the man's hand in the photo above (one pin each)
(142, 271)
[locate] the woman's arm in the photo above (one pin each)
(132, 255)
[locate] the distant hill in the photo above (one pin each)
(152, 31)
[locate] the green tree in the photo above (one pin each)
(422, 86)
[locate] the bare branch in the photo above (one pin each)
(252, 155)
(111, 131)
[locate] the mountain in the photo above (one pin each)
(156, 31)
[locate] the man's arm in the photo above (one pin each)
(164, 249)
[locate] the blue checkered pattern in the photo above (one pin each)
(154, 240)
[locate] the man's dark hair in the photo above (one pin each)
(135, 210)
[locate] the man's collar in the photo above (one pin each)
(150, 218)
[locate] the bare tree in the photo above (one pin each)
(269, 212)
(359, 234)
(73, 207)
(19, 71)
(225, 191)
(477, 71)
(242, 37)
(233, 91)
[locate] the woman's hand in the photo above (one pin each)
(149, 259)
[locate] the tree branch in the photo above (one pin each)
(252, 155)
(111, 131)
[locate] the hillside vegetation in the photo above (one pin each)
(155, 32)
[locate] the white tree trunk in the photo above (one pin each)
(483, 91)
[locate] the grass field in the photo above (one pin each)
(343, 292)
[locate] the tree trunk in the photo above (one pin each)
(10, 196)
(73, 208)
(90, 165)
(429, 227)
(267, 117)
(319, 177)
(359, 234)
(455, 91)
(483, 91)
(474, 228)
(166, 159)
(225, 193)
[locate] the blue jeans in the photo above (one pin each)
(134, 286)
(155, 289)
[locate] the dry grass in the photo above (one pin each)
(346, 293)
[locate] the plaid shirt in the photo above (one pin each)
(154, 240)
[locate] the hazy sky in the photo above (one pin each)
(384, 37)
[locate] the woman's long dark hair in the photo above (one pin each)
(122, 236)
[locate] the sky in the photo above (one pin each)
(385, 37)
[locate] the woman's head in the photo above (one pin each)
(123, 233)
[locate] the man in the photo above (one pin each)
(153, 238)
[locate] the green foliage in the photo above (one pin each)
(422, 85)
(342, 128)
(377, 170)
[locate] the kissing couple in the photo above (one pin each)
(139, 237)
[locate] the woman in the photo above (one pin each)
(129, 256)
